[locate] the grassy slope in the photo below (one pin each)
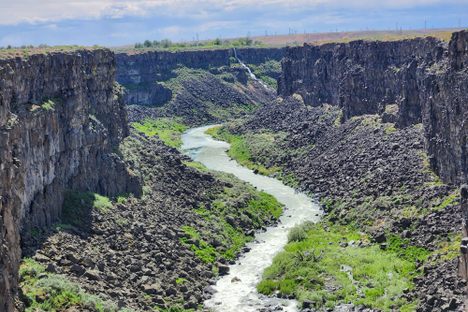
(254, 151)
(240, 148)
(237, 201)
(168, 130)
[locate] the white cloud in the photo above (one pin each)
(33, 11)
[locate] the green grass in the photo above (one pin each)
(48, 105)
(180, 280)
(309, 267)
(448, 249)
(51, 292)
(402, 248)
(240, 149)
(267, 72)
(169, 130)
(449, 200)
(238, 202)
(196, 165)
(201, 248)
(101, 203)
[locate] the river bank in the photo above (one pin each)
(370, 177)
(237, 290)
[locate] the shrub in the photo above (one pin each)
(297, 234)
(52, 292)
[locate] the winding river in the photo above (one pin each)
(236, 291)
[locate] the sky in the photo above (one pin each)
(121, 22)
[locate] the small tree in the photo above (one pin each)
(166, 43)
(147, 44)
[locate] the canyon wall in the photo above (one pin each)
(407, 82)
(361, 77)
(61, 117)
(139, 72)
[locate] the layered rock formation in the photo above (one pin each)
(60, 119)
(444, 98)
(360, 77)
(139, 72)
(423, 78)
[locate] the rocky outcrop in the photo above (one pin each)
(360, 77)
(139, 73)
(60, 119)
(444, 95)
(424, 79)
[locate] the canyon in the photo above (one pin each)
(352, 117)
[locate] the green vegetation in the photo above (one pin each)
(202, 249)
(196, 165)
(404, 250)
(27, 50)
(236, 203)
(389, 128)
(241, 146)
(48, 105)
(267, 72)
(51, 292)
(298, 233)
(180, 75)
(180, 280)
(329, 258)
(169, 130)
(449, 200)
(218, 43)
(449, 249)
(77, 207)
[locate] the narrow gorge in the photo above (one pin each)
(101, 210)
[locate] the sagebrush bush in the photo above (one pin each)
(298, 233)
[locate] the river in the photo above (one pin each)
(240, 295)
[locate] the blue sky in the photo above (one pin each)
(119, 22)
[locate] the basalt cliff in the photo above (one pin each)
(407, 82)
(60, 118)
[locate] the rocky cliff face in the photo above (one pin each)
(60, 118)
(444, 98)
(139, 72)
(407, 82)
(360, 77)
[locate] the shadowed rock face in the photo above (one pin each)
(444, 98)
(139, 72)
(60, 118)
